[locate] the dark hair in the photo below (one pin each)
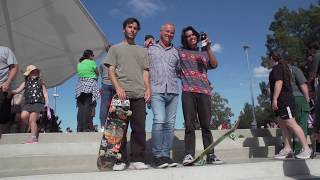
(184, 42)
(86, 55)
(315, 45)
(282, 59)
(148, 36)
(130, 21)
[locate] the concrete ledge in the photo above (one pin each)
(20, 138)
(268, 169)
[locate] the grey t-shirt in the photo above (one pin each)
(7, 58)
(297, 79)
(129, 61)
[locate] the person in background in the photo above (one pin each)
(314, 74)
(36, 98)
(148, 41)
(8, 71)
(87, 91)
(107, 93)
(283, 105)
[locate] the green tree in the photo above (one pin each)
(293, 31)
(263, 111)
(220, 112)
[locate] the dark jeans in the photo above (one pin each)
(5, 107)
(84, 116)
(138, 135)
(196, 106)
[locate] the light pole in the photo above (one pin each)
(254, 122)
(55, 95)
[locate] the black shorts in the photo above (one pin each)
(285, 112)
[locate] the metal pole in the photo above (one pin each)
(254, 122)
(55, 95)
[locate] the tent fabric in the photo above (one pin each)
(50, 34)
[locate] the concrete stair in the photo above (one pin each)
(77, 152)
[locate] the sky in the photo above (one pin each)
(229, 24)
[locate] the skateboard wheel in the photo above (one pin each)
(102, 152)
(129, 113)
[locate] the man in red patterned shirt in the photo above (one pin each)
(196, 91)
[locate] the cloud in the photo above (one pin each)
(116, 13)
(216, 48)
(261, 72)
(145, 8)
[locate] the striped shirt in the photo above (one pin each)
(194, 67)
(163, 69)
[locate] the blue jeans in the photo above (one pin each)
(164, 108)
(107, 93)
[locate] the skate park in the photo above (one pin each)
(74, 155)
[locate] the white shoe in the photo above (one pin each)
(138, 165)
(119, 166)
(187, 159)
(102, 129)
(304, 154)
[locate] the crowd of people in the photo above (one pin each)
(150, 75)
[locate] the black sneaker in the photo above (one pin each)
(159, 163)
(171, 162)
(212, 159)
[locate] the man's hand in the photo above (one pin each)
(275, 105)
(5, 86)
(121, 93)
(147, 95)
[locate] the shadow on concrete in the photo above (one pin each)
(255, 150)
(296, 169)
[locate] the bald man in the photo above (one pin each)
(164, 58)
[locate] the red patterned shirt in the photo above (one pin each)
(194, 66)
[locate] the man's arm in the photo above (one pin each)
(147, 92)
(120, 91)
(212, 59)
(13, 69)
(305, 91)
(276, 93)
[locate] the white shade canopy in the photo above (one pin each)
(51, 34)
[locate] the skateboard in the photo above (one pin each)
(114, 128)
(199, 160)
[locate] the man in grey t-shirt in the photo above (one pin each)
(301, 98)
(129, 73)
(8, 71)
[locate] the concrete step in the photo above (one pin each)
(240, 170)
(78, 156)
(96, 136)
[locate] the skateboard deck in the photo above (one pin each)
(199, 160)
(114, 128)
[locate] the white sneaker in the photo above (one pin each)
(304, 154)
(102, 129)
(284, 154)
(138, 165)
(187, 159)
(120, 166)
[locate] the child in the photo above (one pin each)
(36, 97)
